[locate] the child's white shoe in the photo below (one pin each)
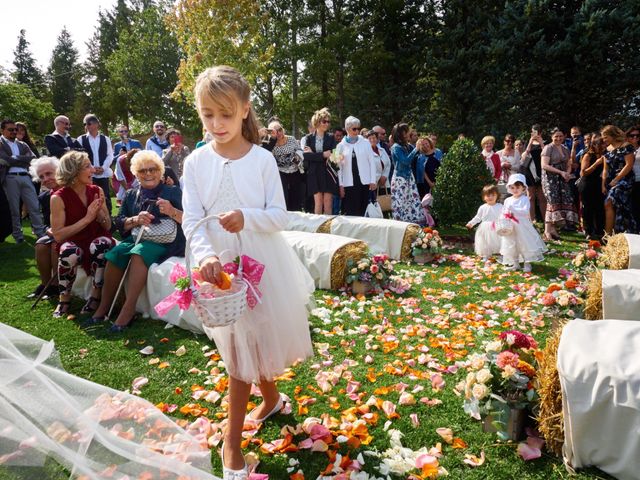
(513, 268)
(527, 267)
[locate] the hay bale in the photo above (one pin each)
(325, 227)
(410, 234)
(593, 301)
(615, 254)
(550, 418)
(354, 251)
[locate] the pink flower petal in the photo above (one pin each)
(415, 421)
(446, 434)
(426, 459)
(527, 452)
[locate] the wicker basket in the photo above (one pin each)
(504, 226)
(227, 305)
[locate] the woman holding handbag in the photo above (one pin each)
(155, 207)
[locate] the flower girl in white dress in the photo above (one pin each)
(487, 241)
(524, 244)
(233, 177)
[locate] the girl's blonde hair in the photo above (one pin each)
(226, 86)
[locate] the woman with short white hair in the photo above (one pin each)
(43, 170)
(357, 175)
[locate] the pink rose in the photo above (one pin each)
(374, 269)
(507, 358)
(591, 254)
(548, 299)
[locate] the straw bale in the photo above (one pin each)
(410, 235)
(593, 301)
(325, 227)
(615, 254)
(354, 251)
(550, 418)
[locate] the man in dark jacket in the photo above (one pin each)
(60, 142)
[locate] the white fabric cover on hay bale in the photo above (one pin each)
(381, 234)
(306, 222)
(634, 250)
(600, 378)
(317, 252)
(621, 294)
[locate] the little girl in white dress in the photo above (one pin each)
(487, 241)
(524, 244)
(239, 181)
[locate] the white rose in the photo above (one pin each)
(484, 375)
(480, 391)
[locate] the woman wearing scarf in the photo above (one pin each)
(148, 204)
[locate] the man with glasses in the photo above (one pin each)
(125, 142)
(60, 142)
(100, 153)
(158, 142)
(16, 158)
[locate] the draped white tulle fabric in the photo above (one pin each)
(93, 431)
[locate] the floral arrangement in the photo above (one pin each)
(334, 160)
(501, 378)
(560, 299)
(587, 260)
(374, 269)
(427, 241)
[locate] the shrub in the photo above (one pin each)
(459, 182)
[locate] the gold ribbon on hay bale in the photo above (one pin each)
(325, 227)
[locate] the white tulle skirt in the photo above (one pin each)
(487, 241)
(524, 244)
(275, 334)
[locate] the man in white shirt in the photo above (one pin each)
(100, 152)
(158, 142)
(17, 184)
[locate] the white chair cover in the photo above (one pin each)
(306, 222)
(93, 431)
(634, 250)
(600, 379)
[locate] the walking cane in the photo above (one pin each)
(124, 275)
(44, 290)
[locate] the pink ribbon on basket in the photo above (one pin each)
(252, 271)
(183, 295)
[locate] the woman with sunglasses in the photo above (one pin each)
(509, 157)
(322, 179)
(152, 201)
(633, 137)
(357, 175)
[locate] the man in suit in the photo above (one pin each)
(100, 152)
(126, 142)
(17, 184)
(60, 142)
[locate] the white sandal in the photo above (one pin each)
(230, 474)
(279, 406)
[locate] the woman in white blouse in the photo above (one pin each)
(357, 174)
(509, 157)
(383, 162)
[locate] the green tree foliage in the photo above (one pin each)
(459, 182)
(64, 74)
(18, 102)
(26, 70)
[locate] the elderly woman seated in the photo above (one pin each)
(144, 209)
(43, 170)
(81, 228)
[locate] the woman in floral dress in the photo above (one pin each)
(405, 200)
(618, 180)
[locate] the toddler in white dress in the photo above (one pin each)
(487, 241)
(524, 244)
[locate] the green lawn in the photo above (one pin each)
(434, 314)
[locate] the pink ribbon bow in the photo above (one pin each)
(511, 216)
(180, 298)
(252, 271)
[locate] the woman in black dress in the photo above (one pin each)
(531, 167)
(591, 165)
(322, 180)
